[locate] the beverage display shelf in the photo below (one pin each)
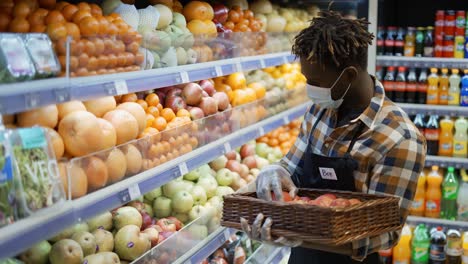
(422, 62)
(436, 221)
(444, 162)
(21, 235)
(268, 252)
(441, 110)
(18, 97)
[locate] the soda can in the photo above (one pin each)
(448, 47)
(449, 25)
(460, 23)
(439, 22)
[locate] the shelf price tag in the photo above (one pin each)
(286, 120)
(238, 67)
(120, 87)
(134, 191)
(261, 131)
(184, 77)
(218, 71)
(62, 95)
(227, 147)
(183, 168)
(262, 64)
(32, 100)
(285, 60)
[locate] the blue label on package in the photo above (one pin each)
(32, 137)
(6, 172)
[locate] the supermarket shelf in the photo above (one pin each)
(441, 110)
(24, 233)
(444, 162)
(422, 62)
(268, 254)
(17, 97)
(434, 222)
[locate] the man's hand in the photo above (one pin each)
(274, 178)
(261, 231)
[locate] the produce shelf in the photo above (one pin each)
(436, 222)
(441, 110)
(444, 162)
(18, 97)
(422, 62)
(268, 252)
(21, 235)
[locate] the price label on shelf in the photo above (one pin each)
(227, 147)
(262, 63)
(183, 168)
(62, 95)
(285, 59)
(184, 77)
(227, 234)
(286, 120)
(32, 100)
(238, 67)
(261, 131)
(134, 191)
(219, 71)
(120, 87)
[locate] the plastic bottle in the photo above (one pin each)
(465, 248)
(432, 132)
(411, 87)
(454, 90)
(389, 82)
(460, 139)
(399, 42)
(433, 88)
(437, 248)
(422, 87)
(462, 199)
(433, 193)
(420, 245)
(464, 89)
(402, 250)
(410, 44)
(443, 87)
(448, 208)
(400, 85)
(446, 137)
(386, 256)
(419, 202)
(380, 40)
(454, 250)
(419, 122)
(390, 41)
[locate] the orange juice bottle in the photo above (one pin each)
(433, 87)
(444, 87)
(419, 201)
(446, 137)
(402, 250)
(433, 193)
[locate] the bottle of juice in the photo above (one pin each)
(433, 193)
(419, 201)
(454, 249)
(460, 139)
(402, 250)
(446, 137)
(448, 207)
(465, 248)
(420, 245)
(454, 90)
(433, 88)
(443, 87)
(464, 89)
(462, 198)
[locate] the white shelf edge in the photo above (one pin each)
(450, 110)
(444, 162)
(437, 221)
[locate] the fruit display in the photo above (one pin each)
(237, 249)
(282, 137)
(325, 200)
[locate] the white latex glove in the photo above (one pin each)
(274, 178)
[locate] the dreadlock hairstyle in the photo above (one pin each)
(332, 40)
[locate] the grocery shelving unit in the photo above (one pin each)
(436, 221)
(444, 162)
(422, 62)
(440, 110)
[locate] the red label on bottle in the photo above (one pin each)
(422, 87)
(400, 86)
(431, 134)
(433, 205)
(399, 43)
(389, 86)
(380, 42)
(389, 43)
(411, 87)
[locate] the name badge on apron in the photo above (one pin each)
(328, 173)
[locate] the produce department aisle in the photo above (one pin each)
(21, 235)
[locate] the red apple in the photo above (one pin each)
(234, 166)
(324, 201)
(340, 202)
(303, 198)
(231, 155)
(153, 235)
(166, 225)
(161, 95)
(157, 227)
(137, 205)
(208, 87)
(220, 12)
(165, 235)
(331, 196)
(247, 150)
(174, 92)
(192, 94)
(177, 222)
(175, 103)
(314, 202)
(354, 201)
(209, 106)
(146, 220)
(250, 161)
(222, 100)
(196, 113)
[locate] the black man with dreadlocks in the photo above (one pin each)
(352, 138)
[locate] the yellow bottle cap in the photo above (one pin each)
(434, 70)
(455, 71)
(444, 70)
(435, 168)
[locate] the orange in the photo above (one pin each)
(54, 16)
(60, 5)
(142, 103)
(84, 6)
(49, 4)
(177, 7)
(160, 107)
(149, 120)
(236, 80)
(4, 21)
(38, 17)
(153, 110)
(259, 89)
(22, 10)
(160, 123)
(131, 97)
(95, 10)
(239, 97)
(103, 24)
(68, 11)
(79, 15)
(248, 14)
(234, 16)
(168, 114)
(19, 25)
(251, 95)
(198, 10)
(73, 30)
(183, 112)
(89, 26)
(149, 131)
(273, 142)
(39, 28)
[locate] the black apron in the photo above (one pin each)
(322, 172)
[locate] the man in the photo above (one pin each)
(352, 138)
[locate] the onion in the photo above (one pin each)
(208, 87)
(222, 100)
(192, 94)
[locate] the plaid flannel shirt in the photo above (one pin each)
(390, 151)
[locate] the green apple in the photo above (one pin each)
(262, 149)
(173, 187)
(162, 207)
(87, 242)
(102, 258)
(149, 209)
(254, 172)
(272, 158)
(198, 232)
(224, 190)
(198, 195)
(130, 243)
(192, 176)
(39, 253)
(224, 177)
(66, 251)
(213, 223)
(103, 221)
(216, 202)
(179, 20)
(184, 218)
(196, 212)
(278, 154)
(155, 193)
(209, 184)
(104, 240)
(127, 215)
(219, 163)
(182, 202)
(68, 232)
(204, 169)
(188, 185)
(192, 56)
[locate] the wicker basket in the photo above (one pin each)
(376, 214)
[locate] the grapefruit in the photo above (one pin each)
(69, 107)
(46, 116)
(125, 124)
(116, 164)
(100, 106)
(137, 111)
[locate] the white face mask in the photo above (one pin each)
(322, 96)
